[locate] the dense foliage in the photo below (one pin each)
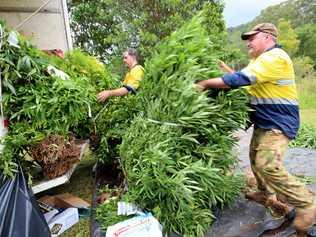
(90, 71)
(38, 103)
(298, 12)
(306, 34)
(105, 28)
(175, 148)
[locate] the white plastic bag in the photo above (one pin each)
(13, 39)
(56, 72)
(125, 208)
(144, 225)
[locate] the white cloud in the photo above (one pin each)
(239, 12)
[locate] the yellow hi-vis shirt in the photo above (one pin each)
(133, 77)
(272, 76)
(271, 85)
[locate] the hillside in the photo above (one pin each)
(300, 14)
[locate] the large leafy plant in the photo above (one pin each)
(175, 148)
(36, 103)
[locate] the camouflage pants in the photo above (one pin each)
(267, 151)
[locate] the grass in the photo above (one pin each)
(308, 116)
(307, 93)
(306, 136)
(307, 98)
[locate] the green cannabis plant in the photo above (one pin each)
(175, 144)
(37, 103)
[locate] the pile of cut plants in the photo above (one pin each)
(44, 107)
(173, 144)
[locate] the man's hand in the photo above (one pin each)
(104, 95)
(225, 67)
(200, 86)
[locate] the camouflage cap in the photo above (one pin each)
(268, 28)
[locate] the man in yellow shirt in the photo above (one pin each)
(131, 80)
(269, 78)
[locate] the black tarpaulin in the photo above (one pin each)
(20, 215)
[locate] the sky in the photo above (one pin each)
(238, 12)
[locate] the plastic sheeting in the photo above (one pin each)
(248, 219)
(20, 215)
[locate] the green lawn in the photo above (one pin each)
(306, 136)
(307, 93)
(307, 98)
(308, 116)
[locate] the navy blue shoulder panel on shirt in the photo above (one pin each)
(130, 89)
(236, 79)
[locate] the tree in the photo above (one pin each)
(287, 37)
(298, 12)
(303, 67)
(307, 38)
(98, 27)
(107, 27)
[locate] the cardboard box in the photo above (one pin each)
(65, 200)
(49, 215)
(63, 221)
(48, 211)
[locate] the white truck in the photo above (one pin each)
(45, 21)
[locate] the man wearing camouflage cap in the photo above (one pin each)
(269, 78)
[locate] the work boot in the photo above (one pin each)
(304, 220)
(277, 207)
(259, 197)
(281, 209)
